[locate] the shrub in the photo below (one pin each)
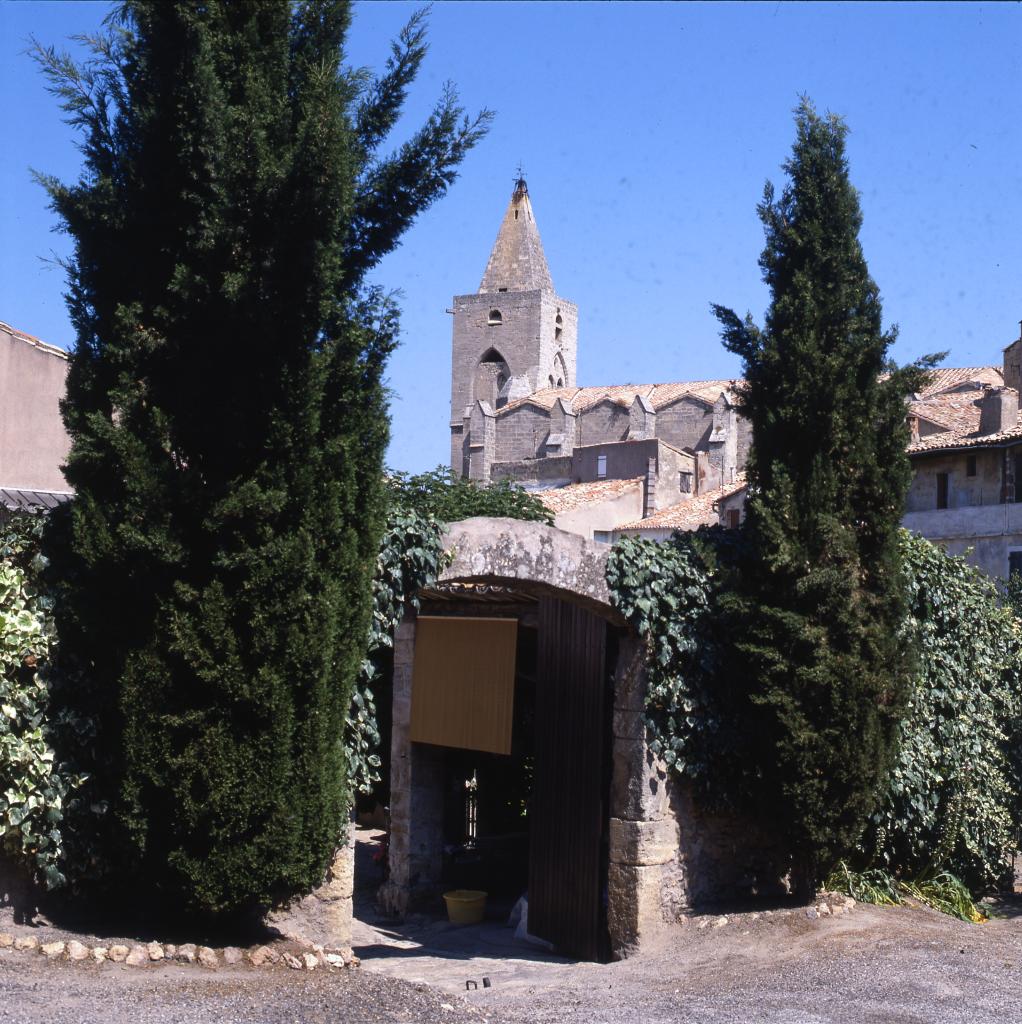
(34, 786)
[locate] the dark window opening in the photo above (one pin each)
(970, 465)
(942, 490)
(560, 382)
(1017, 464)
(685, 482)
(501, 289)
(1014, 563)
(495, 317)
(734, 518)
(516, 215)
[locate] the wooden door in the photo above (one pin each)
(567, 807)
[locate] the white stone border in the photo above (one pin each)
(144, 954)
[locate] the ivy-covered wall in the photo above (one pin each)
(953, 800)
(34, 787)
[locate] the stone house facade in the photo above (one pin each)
(966, 454)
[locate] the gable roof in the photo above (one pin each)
(944, 378)
(940, 381)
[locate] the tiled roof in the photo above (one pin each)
(946, 377)
(686, 515)
(659, 395)
(564, 499)
(33, 341)
(952, 410)
(952, 439)
(939, 380)
(16, 499)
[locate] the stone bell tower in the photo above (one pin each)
(512, 337)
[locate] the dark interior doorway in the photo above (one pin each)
(536, 820)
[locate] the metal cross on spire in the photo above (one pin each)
(520, 187)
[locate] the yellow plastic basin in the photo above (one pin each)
(465, 906)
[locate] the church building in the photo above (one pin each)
(651, 457)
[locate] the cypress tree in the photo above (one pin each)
(814, 617)
(228, 422)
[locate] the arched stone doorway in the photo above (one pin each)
(603, 841)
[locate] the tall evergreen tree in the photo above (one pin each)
(228, 423)
(816, 613)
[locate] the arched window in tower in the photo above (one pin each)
(494, 318)
(491, 379)
(560, 374)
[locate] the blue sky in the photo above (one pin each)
(647, 131)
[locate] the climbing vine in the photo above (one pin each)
(952, 804)
(665, 591)
(34, 786)
(953, 800)
(411, 556)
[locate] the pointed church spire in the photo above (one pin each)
(517, 263)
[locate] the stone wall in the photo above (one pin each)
(324, 916)
(550, 472)
(521, 433)
(667, 856)
(535, 333)
(685, 423)
(416, 796)
(603, 422)
(963, 491)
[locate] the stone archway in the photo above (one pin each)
(642, 832)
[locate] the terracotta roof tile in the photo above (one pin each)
(659, 395)
(564, 499)
(942, 379)
(687, 515)
(963, 439)
(946, 377)
(952, 410)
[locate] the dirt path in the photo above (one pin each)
(893, 966)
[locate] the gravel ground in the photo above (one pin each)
(890, 965)
(876, 966)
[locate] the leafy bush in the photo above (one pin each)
(950, 806)
(449, 498)
(33, 786)
(410, 557)
(666, 592)
(943, 891)
(952, 802)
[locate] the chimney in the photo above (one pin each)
(998, 410)
(1011, 367)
